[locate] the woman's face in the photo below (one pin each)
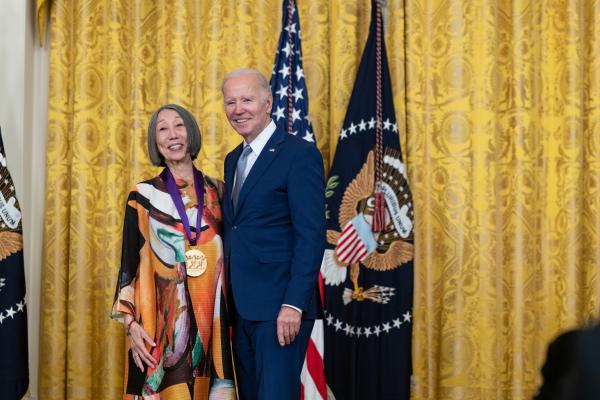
(171, 136)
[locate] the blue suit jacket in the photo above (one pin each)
(274, 241)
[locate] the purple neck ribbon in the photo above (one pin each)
(167, 176)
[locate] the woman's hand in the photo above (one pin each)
(138, 338)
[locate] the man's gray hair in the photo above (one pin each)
(194, 138)
(260, 78)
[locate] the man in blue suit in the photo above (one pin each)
(274, 222)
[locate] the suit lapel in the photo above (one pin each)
(266, 157)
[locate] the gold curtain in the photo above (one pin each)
(112, 63)
(504, 160)
(502, 143)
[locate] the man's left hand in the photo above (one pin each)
(288, 325)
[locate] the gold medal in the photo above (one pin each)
(195, 262)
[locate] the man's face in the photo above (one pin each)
(247, 106)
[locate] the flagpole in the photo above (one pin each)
(385, 11)
(379, 212)
(290, 12)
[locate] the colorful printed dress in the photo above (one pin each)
(185, 316)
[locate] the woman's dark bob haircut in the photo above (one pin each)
(194, 138)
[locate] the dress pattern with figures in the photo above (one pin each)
(184, 315)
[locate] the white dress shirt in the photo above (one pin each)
(258, 144)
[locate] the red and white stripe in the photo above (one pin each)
(312, 378)
(350, 248)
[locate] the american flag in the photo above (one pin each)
(356, 241)
(290, 97)
(290, 112)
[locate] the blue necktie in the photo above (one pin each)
(240, 175)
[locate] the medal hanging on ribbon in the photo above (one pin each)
(195, 259)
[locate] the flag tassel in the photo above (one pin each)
(379, 213)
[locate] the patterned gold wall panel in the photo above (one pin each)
(502, 140)
(501, 104)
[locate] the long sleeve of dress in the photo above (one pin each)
(133, 242)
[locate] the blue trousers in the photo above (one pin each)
(266, 370)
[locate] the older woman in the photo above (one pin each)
(170, 292)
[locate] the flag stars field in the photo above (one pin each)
(288, 61)
(12, 311)
(366, 331)
(363, 125)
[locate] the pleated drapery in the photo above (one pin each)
(498, 105)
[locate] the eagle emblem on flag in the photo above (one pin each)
(10, 243)
(357, 245)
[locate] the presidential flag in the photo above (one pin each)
(14, 373)
(290, 112)
(368, 264)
